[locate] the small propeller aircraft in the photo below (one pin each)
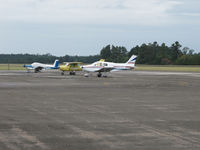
(103, 67)
(71, 67)
(39, 66)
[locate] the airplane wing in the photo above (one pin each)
(74, 63)
(105, 69)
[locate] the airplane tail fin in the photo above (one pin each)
(56, 63)
(132, 60)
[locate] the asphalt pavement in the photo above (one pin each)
(134, 110)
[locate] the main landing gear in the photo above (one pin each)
(70, 73)
(36, 70)
(100, 75)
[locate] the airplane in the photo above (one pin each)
(72, 67)
(39, 66)
(103, 67)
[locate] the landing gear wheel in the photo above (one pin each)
(86, 75)
(99, 75)
(62, 73)
(72, 73)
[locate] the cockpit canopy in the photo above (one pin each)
(100, 64)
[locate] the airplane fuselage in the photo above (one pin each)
(95, 67)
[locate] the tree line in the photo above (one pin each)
(151, 53)
(45, 58)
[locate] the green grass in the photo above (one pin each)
(12, 67)
(168, 68)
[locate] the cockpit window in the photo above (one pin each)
(99, 64)
(105, 64)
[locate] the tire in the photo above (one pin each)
(99, 75)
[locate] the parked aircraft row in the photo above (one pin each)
(101, 67)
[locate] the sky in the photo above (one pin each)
(84, 27)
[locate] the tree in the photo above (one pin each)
(106, 53)
(175, 51)
(134, 51)
(115, 54)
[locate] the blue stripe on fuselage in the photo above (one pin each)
(54, 67)
(28, 66)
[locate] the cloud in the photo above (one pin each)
(192, 14)
(143, 12)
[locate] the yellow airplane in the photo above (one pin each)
(72, 67)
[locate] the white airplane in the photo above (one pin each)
(39, 66)
(102, 66)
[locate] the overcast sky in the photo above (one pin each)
(83, 27)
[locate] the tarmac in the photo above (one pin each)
(134, 110)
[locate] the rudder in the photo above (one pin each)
(132, 60)
(56, 63)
